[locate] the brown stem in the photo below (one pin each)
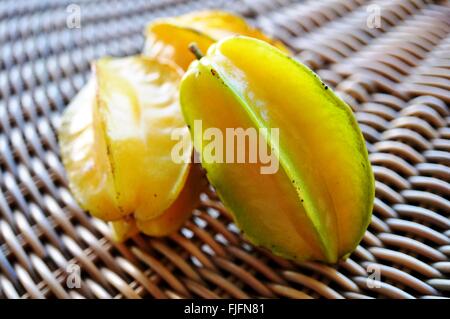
(195, 50)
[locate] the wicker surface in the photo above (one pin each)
(396, 78)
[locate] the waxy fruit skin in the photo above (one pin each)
(318, 204)
(173, 218)
(169, 38)
(115, 140)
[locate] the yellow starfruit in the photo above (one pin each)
(318, 203)
(115, 140)
(173, 218)
(169, 38)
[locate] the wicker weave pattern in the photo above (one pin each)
(396, 78)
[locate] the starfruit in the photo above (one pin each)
(173, 217)
(317, 204)
(115, 141)
(169, 38)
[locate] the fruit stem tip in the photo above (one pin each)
(195, 50)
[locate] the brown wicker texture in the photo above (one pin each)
(396, 78)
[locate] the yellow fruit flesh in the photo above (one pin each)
(324, 170)
(169, 38)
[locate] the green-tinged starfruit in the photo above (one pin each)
(116, 141)
(309, 194)
(169, 38)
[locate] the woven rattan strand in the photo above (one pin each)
(396, 77)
